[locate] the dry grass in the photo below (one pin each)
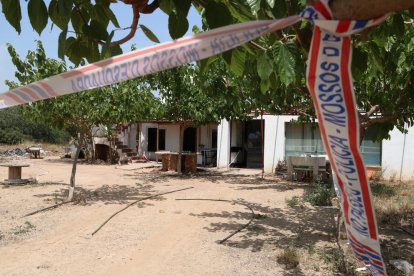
(290, 257)
(394, 204)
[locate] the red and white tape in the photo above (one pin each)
(330, 84)
(329, 81)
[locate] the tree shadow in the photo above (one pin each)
(107, 194)
(396, 244)
(274, 226)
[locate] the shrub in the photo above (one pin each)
(294, 201)
(383, 190)
(11, 136)
(320, 195)
(289, 257)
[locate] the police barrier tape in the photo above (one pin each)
(330, 84)
(329, 81)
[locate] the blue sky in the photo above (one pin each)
(157, 22)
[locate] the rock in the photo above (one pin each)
(402, 265)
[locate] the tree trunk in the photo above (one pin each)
(262, 140)
(73, 174)
(180, 149)
(368, 9)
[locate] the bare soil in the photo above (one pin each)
(159, 236)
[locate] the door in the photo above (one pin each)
(253, 144)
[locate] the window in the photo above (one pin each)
(152, 139)
(305, 138)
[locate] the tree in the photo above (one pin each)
(79, 113)
(279, 57)
(86, 25)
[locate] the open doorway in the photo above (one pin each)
(253, 144)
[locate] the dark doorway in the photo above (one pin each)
(214, 138)
(102, 152)
(189, 141)
(152, 139)
(253, 144)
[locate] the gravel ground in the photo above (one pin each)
(159, 236)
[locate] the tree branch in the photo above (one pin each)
(151, 7)
(134, 26)
(368, 9)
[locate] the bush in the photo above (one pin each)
(320, 195)
(294, 201)
(289, 257)
(15, 127)
(384, 190)
(11, 136)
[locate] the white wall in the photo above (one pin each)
(236, 133)
(172, 137)
(274, 142)
(143, 148)
(132, 137)
(223, 144)
(205, 135)
(396, 155)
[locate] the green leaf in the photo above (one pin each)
(115, 50)
(204, 63)
(105, 47)
(182, 6)
(285, 63)
(264, 85)
(62, 44)
(279, 10)
(38, 16)
(271, 3)
(398, 25)
(166, 6)
(177, 25)
(109, 13)
(65, 7)
(149, 34)
(359, 63)
(60, 20)
(238, 61)
(72, 50)
(254, 5)
(95, 30)
(99, 14)
(77, 20)
(240, 11)
(217, 15)
(13, 13)
(264, 66)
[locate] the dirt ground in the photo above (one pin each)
(161, 235)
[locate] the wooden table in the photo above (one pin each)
(15, 173)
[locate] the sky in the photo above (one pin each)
(157, 22)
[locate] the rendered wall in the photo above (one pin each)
(223, 144)
(398, 156)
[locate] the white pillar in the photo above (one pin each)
(223, 144)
